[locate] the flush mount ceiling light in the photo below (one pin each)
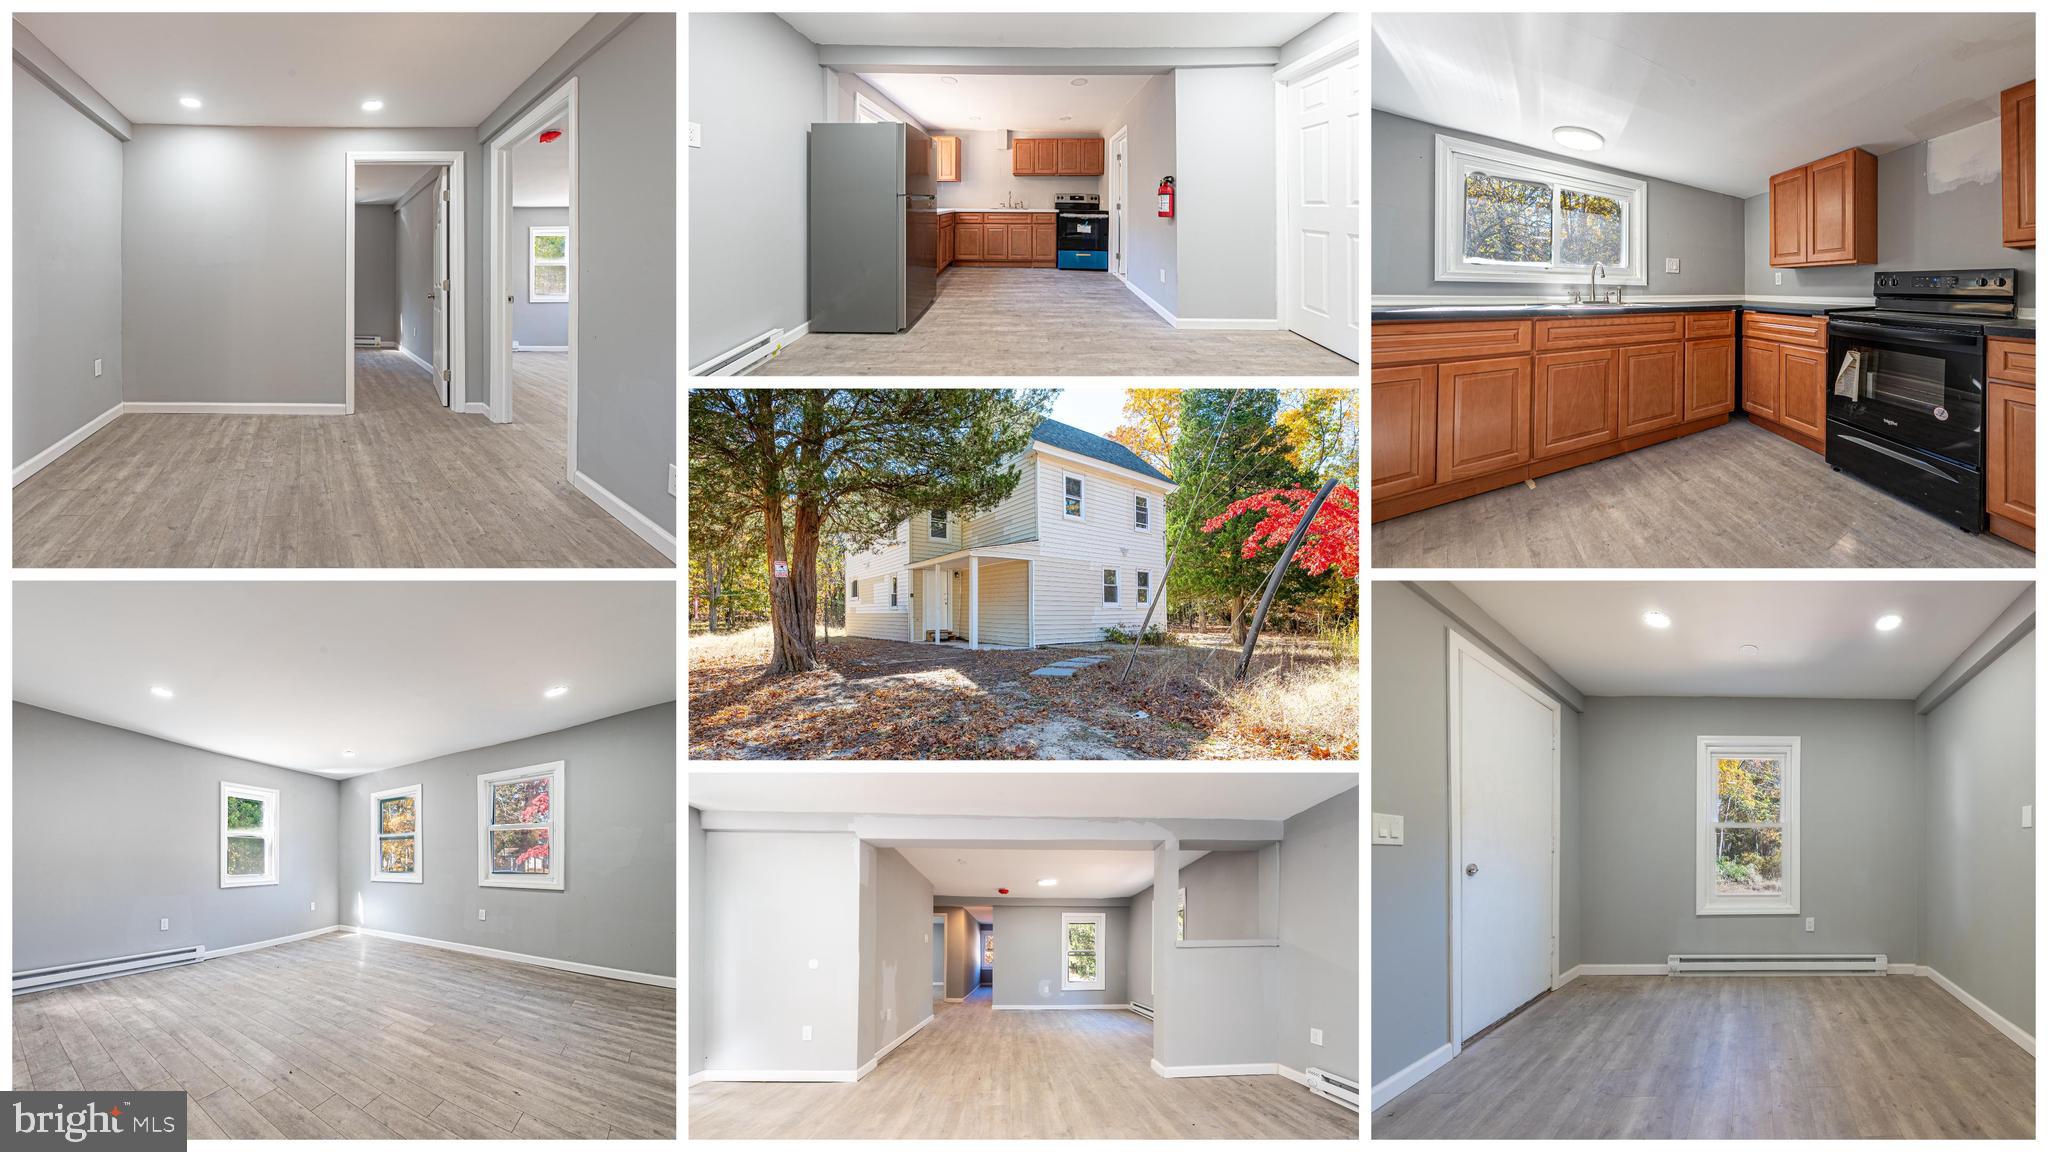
(948, 80)
(557, 690)
(1656, 619)
(974, 117)
(1749, 650)
(348, 753)
(1578, 139)
(1079, 82)
(1888, 622)
(373, 105)
(1066, 118)
(189, 101)
(161, 692)
(1047, 882)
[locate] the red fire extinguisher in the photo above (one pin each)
(1166, 197)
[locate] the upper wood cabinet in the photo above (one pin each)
(947, 164)
(2016, 177)
(1825, 212)
(1057, 156)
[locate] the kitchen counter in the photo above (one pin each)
(1560, 311)
(2017, 330)
(948, 211)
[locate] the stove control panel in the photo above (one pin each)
(1971, 282)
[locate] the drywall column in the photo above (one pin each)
(1214, 1011)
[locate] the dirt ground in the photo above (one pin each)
(888, 700)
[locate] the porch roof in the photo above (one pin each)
(997, 552)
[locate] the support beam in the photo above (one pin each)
(973, 602)
(1031, 603)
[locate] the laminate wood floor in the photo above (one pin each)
(1729, 1057)
(1049, 322)
(977, 1074)
(1730, 497)
(358, 1037)
(403, 483)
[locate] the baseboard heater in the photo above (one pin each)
(1331, 1086)
(1144, 1010)
(42, 979)
(739, 359)
(1780, 962)
(369, 341)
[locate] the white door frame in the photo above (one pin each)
(1119, 196)
(457, 361)
(1282, 78)
(1454, 646)
(560, 102)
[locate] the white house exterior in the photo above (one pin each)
(1038, 568)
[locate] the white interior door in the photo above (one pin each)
(438, 293)
(1322, 206)
(1119, 195)
(1503, 744)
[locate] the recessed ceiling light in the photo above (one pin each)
(557, 690)
(373, 105)
(1047, 882)
(948, 80)
(974, 117)
(1749, 649)
(1656, 619)
(1079, 82)
(189, 101)
(1888, 622)
(160, 692)
(348, 753)
(1578, 139)
(1066, 117)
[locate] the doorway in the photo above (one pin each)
(988, 956)
(535, 265)
(1317, 108)
(449, 284)
(1504, 784)
(1119, 193)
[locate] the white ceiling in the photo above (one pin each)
(1720, 101)
(977, 103)
(1815, 638)
(385, 183)
(306, 70)
(1054, 29)
(1104, 795)
(291, 673)
(540, 172)
(1083, 874)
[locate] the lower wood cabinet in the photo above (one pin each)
(1803, 391)
(969, 239)
(1709, 378)
(1403, 429)
(1784, 376)
(2009, 451)
(1482, 416)
(1019, 238)
(1652, 387)
(1760, 379)
(1578, 401)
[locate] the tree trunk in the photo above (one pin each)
(711, 601)
(795, 647)
(1237, 619)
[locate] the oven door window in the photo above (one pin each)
(1912, 381)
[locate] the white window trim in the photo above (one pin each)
(1136, 497)
(861, 104)
(1101, 922)
(1456, 157)
(558, 828)
(1107, 584)
(270, 833)
(533, 262)
(1142, 582)
(853, 589)
(892, 591)
(946, 533)
(1081, 516)
(377, 836)
(1712, 748)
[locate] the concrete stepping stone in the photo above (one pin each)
(1052, 670)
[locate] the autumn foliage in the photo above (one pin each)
(1332, 539)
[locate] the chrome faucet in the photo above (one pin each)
(1593, 282)
(1007, 204)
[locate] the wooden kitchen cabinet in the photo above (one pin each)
(1803, 391)
(2016, 172)
(1578, 401)
(970, 236)
(1760, 379)
(1709, 377)
(946, 227)
(1403, 429)
(947, 164)
(1784, 376)
(1044, 249)
(1482, 416)
(995, 244)
(1057, 156)
(1825, 213)
(2009, 440)
(1652, 387)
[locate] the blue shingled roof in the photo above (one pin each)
(1097, 447)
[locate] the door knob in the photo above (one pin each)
(1471, 869)
(430, 295)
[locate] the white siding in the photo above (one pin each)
(1014, 519)
(922, 546)
(871, 615)
(1002, 603)
(1070, 607)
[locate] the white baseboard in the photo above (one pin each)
(1155, 305)
(1410, 1076)
(660, 538)
(940, 985)
(1300, 1078)
(697, 1078)
(1195, 325)
(48, 456)
(892, 1045)
(1054, 1007)
(540, 347)
(1567, 976)
(1622, 970)
(477, 408)
(1188, 1070)
(1905, 969)
(213, 408)
(409, 355)
(775, 1076)
(212, 953)
(790, 337)
(523, 958)
(955, 999)
(2012, 1031)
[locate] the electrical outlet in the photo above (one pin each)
(696, 134)
(1671, 265)
(814, 963)
(98, 366)
(1777, 277)
(479, 913)
(312, 906)
(2026, 815)
(164, 925)
(1162, 275)
(1315, 1035)
(671, 479)
(1809, 923)
(807, 1031)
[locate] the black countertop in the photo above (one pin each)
(1542, 312)
(2017, 330)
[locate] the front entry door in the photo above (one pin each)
(1504, 734)
(938, 605)
(1322, 207)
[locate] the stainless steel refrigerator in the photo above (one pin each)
(874, 227)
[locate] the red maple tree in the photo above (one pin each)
(1332, 539)
(536, 810)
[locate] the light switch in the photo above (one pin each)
(696, 134)
(1387, 829)
(96, 369)
(1809, 923)
(479, 913)
(312, 905)
(814, 965)
(163, 925)
(1315, 1035)
(1777, 277)
(2026, 815)
(1671, 265)
(807, 1031)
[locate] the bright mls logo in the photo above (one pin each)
(142, 1120)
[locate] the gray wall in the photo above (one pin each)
(760, 988)
(621, 849)
(1979, 923)
(1703, 229)
(985, 177)
(254, 320)
(698, 976)
(1223, 896)
(1216, 1004)
(626, 343)
(377, 271)
(1862, 835)
(1341, 26)
(1151, 247)
(1224, 201)
(961, 962)
(67, 268)
(1916, 229)
(416, 274)
(749, 225)
(845, 84)
(155, 808)
(1316, 970)
(895, 995)
(1140, 968)
(1033, 956)
(545, 325)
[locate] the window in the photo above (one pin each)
(892, 591)
(1144, 586)
(866, 111)
(1074, 497)
(1180, 919)
(395, 835)
(249, 825)
(988, 949)
(938, 525)
(521, 828)
(1512, 216)
(547, 279)
(1109, 585)
(855, 594)
(1748, 852)
(1084, 933)
(1144, 514)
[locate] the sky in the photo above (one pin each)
(1097, 410)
